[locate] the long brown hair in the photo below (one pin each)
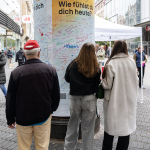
(119, 47)
(87, 62)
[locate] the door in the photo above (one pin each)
(146, 49)
(148, 53)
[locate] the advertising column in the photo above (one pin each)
(61, 28)
(73, 25)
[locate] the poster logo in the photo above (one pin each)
(38, 6)
(26, 18)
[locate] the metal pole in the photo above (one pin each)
(141, 74)
(110, 48)
(110, 44)
(6, 43)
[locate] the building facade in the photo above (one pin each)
(15, 27)
(145, 24)
(10, 25)
(27, 26)
(130, 13)
(99, 8)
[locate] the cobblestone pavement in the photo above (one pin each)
(140, 139)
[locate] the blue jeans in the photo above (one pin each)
(3, 88)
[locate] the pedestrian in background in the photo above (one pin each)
(136, 50)
(101, 56)
(120, 99)
(108, 52)
(2, 72)
(9, 56)
(33, 95)
(137, 59)
(83, 74)
(20, 57)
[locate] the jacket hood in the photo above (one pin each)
(120, 55)
(20, 51)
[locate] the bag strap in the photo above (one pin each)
(97, 112)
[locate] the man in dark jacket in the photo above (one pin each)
(33, 95)
(137, 59)
(9, 56)
(2, 72)
(20, 57)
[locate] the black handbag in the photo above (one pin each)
(100, 93)
(97, 122)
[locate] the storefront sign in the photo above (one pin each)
(147, 28)
(17, 19)
(9, 23)
(9, 33)
(26, 19)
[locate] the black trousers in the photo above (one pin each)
(139, 70)
(123, 142)
(20, 63)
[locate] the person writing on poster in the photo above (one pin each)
(83, 74)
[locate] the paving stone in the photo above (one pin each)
(146, 147)
(4, 143)
(134, 137)
(8, 145)
(139, 138)
(134, 144)
(140, 145)
(138, 133)
(145, 140)
(12, 146)
(15, 148)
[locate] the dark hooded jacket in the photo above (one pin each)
(33, 93)
(9, 54)
(20, 56)
(2, 68)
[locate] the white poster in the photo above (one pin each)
(61, 28)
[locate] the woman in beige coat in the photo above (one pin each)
(120, 100)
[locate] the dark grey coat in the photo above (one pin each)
(2, 68)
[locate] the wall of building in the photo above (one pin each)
(145, 11)
(10, 20)
(130, 13)
(127, 12)
(122, 12)
(28, 28)
(99, 8)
